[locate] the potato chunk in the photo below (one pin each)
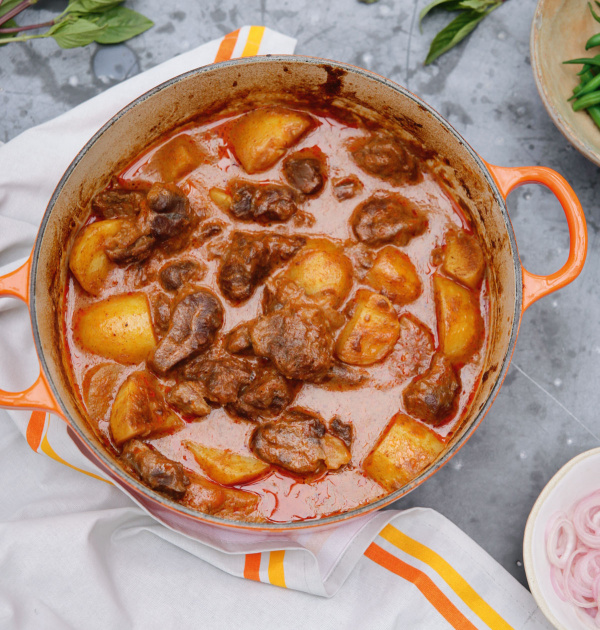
(226, 467)
(139, 410)
(395, 276)
(460, 325)
(323, 272)
(337, 454)
(261, 137)
(221, 198)
(371, 332)
(405, 450)
(118, 328)
(88, 261)
(176, 159)
(463, 258)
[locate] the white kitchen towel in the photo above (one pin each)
(75, 552)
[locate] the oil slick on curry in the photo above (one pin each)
(276, 315)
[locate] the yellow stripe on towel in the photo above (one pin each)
(46, 448)
(253, 42)
(454, 580)
(276, 573)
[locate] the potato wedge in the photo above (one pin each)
(337, 454)
(139, 410)
(88, 261)
(406, 449)
(118, 328)
(372, 331)
(98, 387)
(177, 158)
(394, 275)
(226, 467)
(261, 137)
(463, 258)
(460, 325)
(323, 272)
(221, 198)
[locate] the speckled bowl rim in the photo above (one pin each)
(559, 121)
(528, 537)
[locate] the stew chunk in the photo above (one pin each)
(261, 137)
(139, 410)
(395, 276)
(263, 203)
(112, 204)
(405, 449)
(156, 470)
(226, 467)
(304, 173)
(433, 396)
(387, 157)
(299, 443)
(372, 331)
(463, 258)
(296, 339)
(250, 258)
(195, 322)
(118, 328)
(387, 219)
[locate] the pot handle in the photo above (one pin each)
(509, 178)
(39, 395)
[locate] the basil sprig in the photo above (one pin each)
(80, 24)
(471, 13)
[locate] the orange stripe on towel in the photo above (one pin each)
(35, 429)
(252, 567)
(423, 582)
(227, 45)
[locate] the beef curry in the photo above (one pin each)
(277, 314)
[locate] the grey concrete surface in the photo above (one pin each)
(546, 412)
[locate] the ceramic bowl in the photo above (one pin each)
(559, 32)
(575, 480)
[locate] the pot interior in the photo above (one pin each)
(213, 90)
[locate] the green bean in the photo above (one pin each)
(596, 16)
(588, 61)
(583, 81)
(590, 86)
(594, 113)
(593, 41)
(586, 68)
(586, 101)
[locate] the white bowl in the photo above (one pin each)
(575, 480)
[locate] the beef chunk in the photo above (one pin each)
(341, 376)
(299, 443)
(346, 187)
(161, 312)
(293, 442)
(263, 203)
(129, 245)
(112, 204)
(194, 324)
(170, 211)
(305, 174)
(267, 395)
(387, 157)
(238, 341)
(387, 219)
(433, 395)
(297, 340)
(222, 375)
(343, 430)
(249, 259)
(189, 398)
(155, 469)
(174, 275)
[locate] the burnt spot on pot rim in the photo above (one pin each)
(334, 81)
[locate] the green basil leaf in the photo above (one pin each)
(121, 24)
(478, 5)
(368, 1)
(448, 5)
(75, 32)
(6, 37)
(91, 6)
(455, 32)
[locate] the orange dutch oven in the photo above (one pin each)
(478, 187)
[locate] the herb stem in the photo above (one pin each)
(31, 27)
(20, 7)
